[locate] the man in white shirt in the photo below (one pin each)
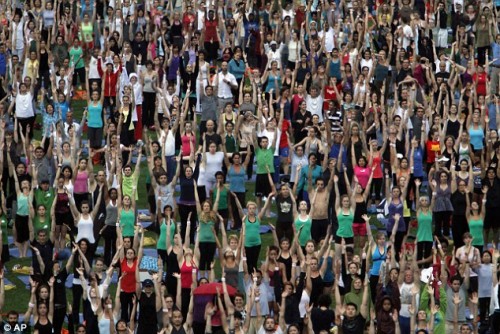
(225, 83)
(273, 53)
(329, 34)
(314, 102)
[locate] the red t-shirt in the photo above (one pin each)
(432, 148)
(211, 30)
(128, 281)
(284, 130)
(296, 100)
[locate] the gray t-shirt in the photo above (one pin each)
(208, 106)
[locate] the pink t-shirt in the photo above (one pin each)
(363, 175)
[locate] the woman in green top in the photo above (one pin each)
(76, 61)
(345, 215)
(475, 218)
(21, 222)
(303, 221)
(126, 213)
(222, 207)
(41, 221)
(207, 217)
(424, 229)
(165, 221)
(251, 232)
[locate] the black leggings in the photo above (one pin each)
(148, 109)
(252, 254)
(184, 211)
(126, 303)
(319, 228)
(109, 234)
(377, 188)
(79, 73)
(58, 321)
(484, 309)
(206, 255)
(77, 298)
(424, 250)
(250, 163)
(373, 286)
(234, 209)
(442, 223)
(458, 228)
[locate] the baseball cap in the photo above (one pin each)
(147, 282)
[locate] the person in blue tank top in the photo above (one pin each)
(95, 116)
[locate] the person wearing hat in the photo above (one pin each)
(273, 53)
(150, 303)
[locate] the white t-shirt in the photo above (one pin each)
(169, 149)
(24, 105)
(315, 106)
(213, 164)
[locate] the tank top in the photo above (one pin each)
(147, 312)
(424, 230)
(185, 148)
(476, 137)
(148, 83)
(359, 211)
(237, 179)
(476, 229)
(104, 325)
(252, 232)
(87, 31)
(317, 289)
(111, 214)
(162, 240)
(172, 264)
(205, 233)
(62, 204)
(288, 265)
(377, 162)
(94, 119)
(44, 329)
(85, 229)
(22, 205)
(127, 222)
(377, 258)
(345, 224)
(186, 275)
(81, 182)
(463, 153)
(128, 281)
(305, 233)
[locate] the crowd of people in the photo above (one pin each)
(369, 129)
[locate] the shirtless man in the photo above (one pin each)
(320, 220)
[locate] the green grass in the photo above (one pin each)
(17, 299)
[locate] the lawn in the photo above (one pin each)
(17, 298)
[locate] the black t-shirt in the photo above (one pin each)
(354, 326)
(46, 251)
(213, 138)
(285, 209)
(60, 288)
(322, 319)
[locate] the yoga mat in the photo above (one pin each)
(25, 279)
(15, 252)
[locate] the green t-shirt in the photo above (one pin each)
(162, 240)
(127, 183)
(39, 225)
(305, 233)
(231, 146)
(252, 233)
(264, 157)
(127, 223)
(75, 58)
(222, 198)
(206, 234)
(45, 198)
(424, 230)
